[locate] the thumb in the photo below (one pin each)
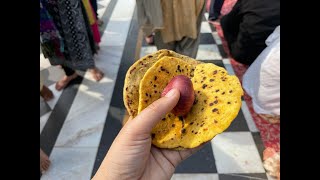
(150, 116)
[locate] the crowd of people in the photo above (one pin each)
(69, 38)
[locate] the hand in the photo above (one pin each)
(131, 155)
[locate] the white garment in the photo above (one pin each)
(262, 79)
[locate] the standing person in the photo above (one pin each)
(215, 9)
(66, 38)
(262, 80)
(176, 25)
(262, 83)
(94, 4)
(248, 25)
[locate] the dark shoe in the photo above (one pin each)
(213, 18)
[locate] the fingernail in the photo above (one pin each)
(170, 93)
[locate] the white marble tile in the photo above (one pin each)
(70, 164)
(216, 37)
(115, 33)
(247, 115)
(110, 54)
(226, 61)
(84, 123)
(109, 69)
(236, 152)
(270, 177)
(208, 52)
(229, 69)
(103, 2)
(44, 107)
(117, 29)
(205, 28)
(44, 63)
(147, 50)
(56, 96)
(206, 15)
(84, 129)
(102, 10)
(43, 120)
(228, 66)
(195, 176)
(123, 10)
(55, 73)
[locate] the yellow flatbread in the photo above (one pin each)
(136, 72)
(217, 102)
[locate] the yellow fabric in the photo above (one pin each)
(180, 19)
(89, 11)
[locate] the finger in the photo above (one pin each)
(149, 117)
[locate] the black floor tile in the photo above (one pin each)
(258, 141)
(44, 107)
(248, 176)
(201, 162)
(212, 27)
(59, 113)
(206, 38)
(222, 51)
(238, 124)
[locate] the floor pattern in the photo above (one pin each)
(78, 126)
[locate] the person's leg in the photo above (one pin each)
(70, 75)
(149, 39)
(97, 74)
(95, 7)
(94, 4)
(215, 9)
(44, 161)
(188, 46)
(230, 24)
(158, 41)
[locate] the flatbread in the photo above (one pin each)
(136, 72)
(217, 102)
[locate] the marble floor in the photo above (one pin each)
(78, 126)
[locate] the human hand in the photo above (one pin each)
(131, 155)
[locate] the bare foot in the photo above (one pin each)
(46, 93)
(65, 81)
(149, 40)
(44, 161)
(273, 119)
(271, 162)
(99, 22)
(97, 46)
(96, 73)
